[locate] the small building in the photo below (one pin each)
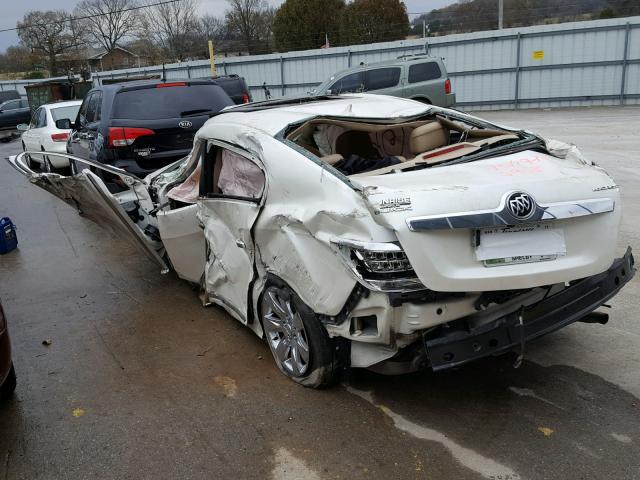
(115, 59)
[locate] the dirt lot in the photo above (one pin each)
(140, 381)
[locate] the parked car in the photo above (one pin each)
(142, 126)
(13, 112)
(9, 95)
(236, 88)
(42, 135)
(7, 371)
(419, 77)
(371, 231)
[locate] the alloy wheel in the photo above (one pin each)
(285, 332)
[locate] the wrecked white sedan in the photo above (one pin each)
(370, 231)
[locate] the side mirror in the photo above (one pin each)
(64, 124)
(23, 127)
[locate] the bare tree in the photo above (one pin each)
(109, 22)
(247, 19)
(48, 33)
(173, 26)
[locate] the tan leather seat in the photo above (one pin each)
(427, 137)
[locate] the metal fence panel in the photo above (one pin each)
(579, 63)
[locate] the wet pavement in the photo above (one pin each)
(142, 382)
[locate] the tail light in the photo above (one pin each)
(125, 136)
(171, 84)
(447, 86)
(245, 97)
(379, 266)
(59, 137)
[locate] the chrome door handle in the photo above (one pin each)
(240, 244)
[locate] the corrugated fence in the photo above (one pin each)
(571, 64)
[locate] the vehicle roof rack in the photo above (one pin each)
(414, 55)
(278, 102)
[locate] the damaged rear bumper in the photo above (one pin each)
(458, 346)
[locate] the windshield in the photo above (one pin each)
(70, 112)
(170, 102)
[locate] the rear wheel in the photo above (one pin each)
(46, 163)
(299, 343)
(30, 162)
(9, 385)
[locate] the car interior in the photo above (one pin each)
(387, 148)
(353, 148)
(231, 176)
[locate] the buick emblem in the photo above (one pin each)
(521, 205)
(185, 124)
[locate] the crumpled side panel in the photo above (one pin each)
(90, 197)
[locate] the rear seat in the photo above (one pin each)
(428, 137)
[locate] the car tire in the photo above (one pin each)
(289, 326)
(9, 385)
(46, 164)
(30, 163)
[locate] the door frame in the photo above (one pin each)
(208, 173)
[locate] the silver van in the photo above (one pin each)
(419, 77)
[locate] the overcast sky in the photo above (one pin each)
(13, 10)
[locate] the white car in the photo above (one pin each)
(42, 135)
(372, 231)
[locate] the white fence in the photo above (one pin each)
(570, 64)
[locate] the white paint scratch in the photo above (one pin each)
(621, 437)
(527, 392)
(486, 467)
(288, 467)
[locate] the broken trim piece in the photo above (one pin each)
(358, 292)
(501, 216)
(459, 346)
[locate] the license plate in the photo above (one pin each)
(535, 242)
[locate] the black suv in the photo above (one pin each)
(235, 87)
(142, 126)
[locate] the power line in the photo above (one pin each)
(85, 17)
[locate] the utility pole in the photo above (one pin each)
(500, 13)
(212, 59)
(424, 28)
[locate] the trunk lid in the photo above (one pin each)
(579, 203)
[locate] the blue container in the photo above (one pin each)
(8, 238)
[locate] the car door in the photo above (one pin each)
(25, 112)
(115, 212)
(81, 142)
(29, 135)
(232, 192)
(384, 81)
(10, 113)
(180, 230)
(353, 82)
(34, 140)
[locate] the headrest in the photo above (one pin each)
(427, 137)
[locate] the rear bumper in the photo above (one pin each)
(506, 333)
(450, 100)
